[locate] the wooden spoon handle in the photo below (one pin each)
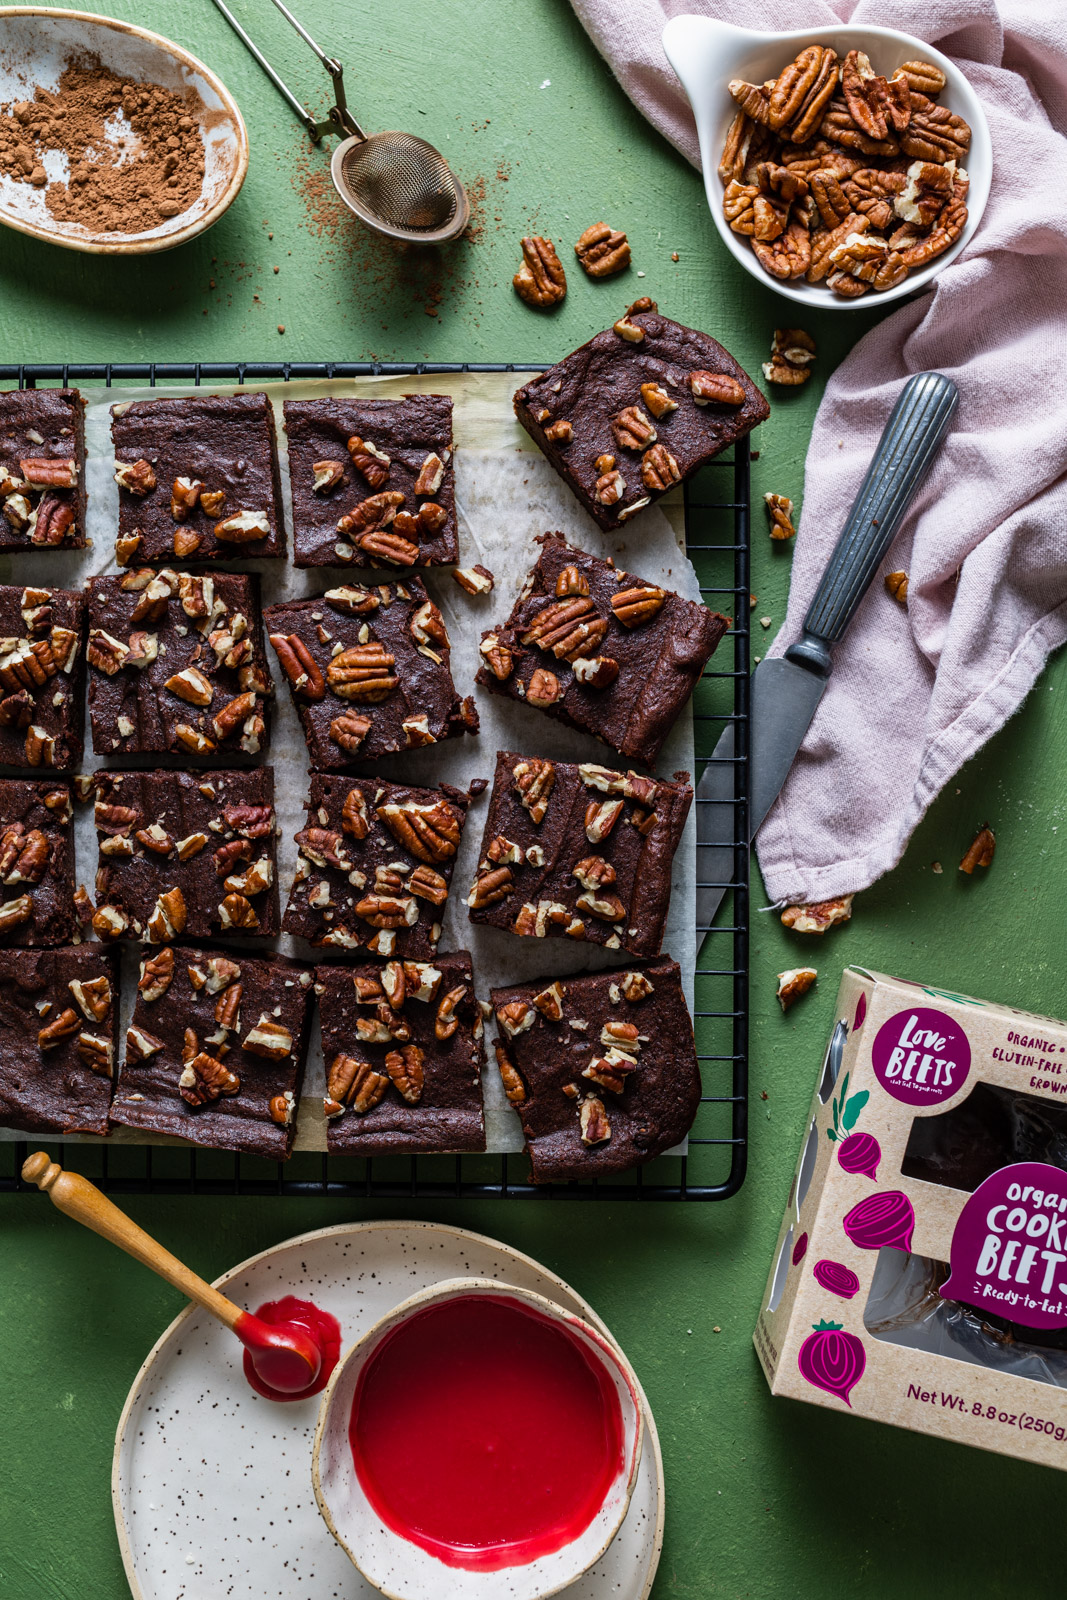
(82, 1200)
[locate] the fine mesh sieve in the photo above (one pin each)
(396, 183)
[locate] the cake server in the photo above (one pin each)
(396, 183)
(785, 691)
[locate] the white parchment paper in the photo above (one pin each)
(506, 494)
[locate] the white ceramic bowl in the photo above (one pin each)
(706, 54)
(37, 43)
(402, 1570)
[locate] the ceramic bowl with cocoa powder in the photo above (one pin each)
(113, 140)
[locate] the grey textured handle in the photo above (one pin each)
(919, 422)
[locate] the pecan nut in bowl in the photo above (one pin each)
(828, 107)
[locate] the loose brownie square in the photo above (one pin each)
(404, 1053)
(602, 650)
(58, 1017)
(601, 1068)
(369, 671)
(188, 853)
(216, 1049)
(37, 864)
(42, 469)
(177, 665)
(198, 479)
(42, 677)
(372, 481)
(637, 410)
(579, 851)
(376, 862)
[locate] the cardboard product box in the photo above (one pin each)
(920, 1275)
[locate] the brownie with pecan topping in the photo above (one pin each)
(216, 1049)
(404, 1053)
(177, 665)
(581, 852)
(372, 481)
(602, 650)
(601, 1068)
(636, 410)
(58, 1016)
(37, 864)
(368, 669)
(42, 469)
(185, 853)
(198, 479)
(376, 862)
(42, 676)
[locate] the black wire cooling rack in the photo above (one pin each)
(717, 539)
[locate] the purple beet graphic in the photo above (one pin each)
(861, 1012)
(836, 1277)
(860, 1152)
(832, 1359)
(884, 1220)
(800, 1249)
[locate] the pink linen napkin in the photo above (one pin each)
(915, 693)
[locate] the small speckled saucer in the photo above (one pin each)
(211, 1485)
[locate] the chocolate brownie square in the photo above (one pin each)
(58, 1017)
(177, 665)
(636, 410)
(404, 1053)
(42, 676)
(42, 469)
(372, 481)
(216, 1049)
(185, 853)
(37, 864)
(601, 1068)
(602, 650)
(376, 862)
(581, 852)
(368, 669)
(198, 479)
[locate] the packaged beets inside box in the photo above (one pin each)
(920, 1275)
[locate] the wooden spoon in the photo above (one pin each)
(285, 1358)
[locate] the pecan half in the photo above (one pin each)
(602, 251)
(432, 833)
(362, 673)
(156, 974)
(353, 1082)
(349, 731)
(55, 519)
(923, 77)
(371, 463)
(632, 430)
(299, 666)
(567, 627)
(388, 911)
(659, 469)
(168, 917)
(541, 280)
(980, 851)
(58, 1029)
(405, 1069)
(600, 817)
(634, 607)
(878, 107)
(780, 515)
(535, 779)
(788, 256)
(543, 689)
(489, 887)
(235, 911)
(802, 91)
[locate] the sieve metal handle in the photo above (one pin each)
(340, 119)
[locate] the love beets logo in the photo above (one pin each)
(1009, 1247)
(921, 1056)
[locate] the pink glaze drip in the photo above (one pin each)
(274, 1368)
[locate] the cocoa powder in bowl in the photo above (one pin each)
(134, 151)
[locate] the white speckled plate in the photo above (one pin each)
(211, 1484)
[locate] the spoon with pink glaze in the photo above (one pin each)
(286, 1358)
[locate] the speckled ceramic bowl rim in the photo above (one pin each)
(858, 33)
(434, 1294)
(137, 244)
(355, 1228)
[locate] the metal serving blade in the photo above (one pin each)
(786, 691)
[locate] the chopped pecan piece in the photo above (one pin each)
(371, 463)
(788, 256)
(204, 1079)
(550, 1001)
(243, 527)
(475, 580)
(446, 1021)
(559, 432)
(498, 658)
(184, 497)
(514, 1088)
(980, 851)
(489, 887)
(792, 354)
(326, 475)
(632, 430)
(593, 1120)
(816, 918)
(516, 1017)
(780, 515)
(156, 974)
(794, 983)
(896, 585)
(136, 477)
(349, 731)
(405, 1069)
(58, 1029)
(269, 1039)
(659, 469)
(541, 280)
(602, 251)
(657, 400)
(543, 689)
(535, 780)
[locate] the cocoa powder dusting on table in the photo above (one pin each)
(135, 151)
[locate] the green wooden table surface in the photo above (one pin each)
(765, 1499)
